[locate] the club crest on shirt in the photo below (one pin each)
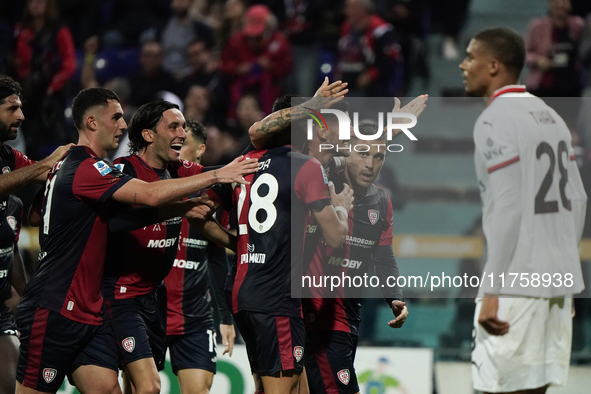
(374, 215)
(11, 222)
(49, 374)
(298, 353)
(344, 376)
(120, 166)
(128, 344)
(6, 170)
(102, 167)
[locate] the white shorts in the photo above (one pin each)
(535, 352)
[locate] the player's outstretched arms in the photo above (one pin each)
(400, 312)
(488, 317)
(262, 132)
(334, 219)
(36, 172)
(155, 194)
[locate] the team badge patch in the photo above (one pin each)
(102, 168)
(49, 374)
(344, 376)
(120, 166)
(374, 215)
(11, 222)
(128, 344)
(6, 170)
(298, 353)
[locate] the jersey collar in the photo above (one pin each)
(507, 89)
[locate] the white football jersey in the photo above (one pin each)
(532, 195)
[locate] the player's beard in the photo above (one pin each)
(5, 133)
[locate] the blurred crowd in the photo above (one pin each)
(226, 61)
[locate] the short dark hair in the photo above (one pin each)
(8, 87)
(89, 98)
(506, 45)
(198, 130)
(146, 117)
(369, 128)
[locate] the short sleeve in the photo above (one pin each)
(21, 160)
(97, 180)
(311, 185)
(495, 144)
(386, 237)
(188, 168)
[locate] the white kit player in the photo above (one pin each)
(533, 215)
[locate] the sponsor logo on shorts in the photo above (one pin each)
(128, 344)
(298, 353)
(374, 215)
(102, 167)
(6, 170)
(344, 376)
(49, 374)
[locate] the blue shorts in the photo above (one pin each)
(193, 351)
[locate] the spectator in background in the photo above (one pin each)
(197, 106)
(232, 20)
(83, 17)
(152, 77)
(256, 59)
(449, 17)
(45, 61)
(408, 17)
(300, 21)
(205, 71)
(552, 44)
(248, 111)
(176, 34)
(369, 56)
(129, 20)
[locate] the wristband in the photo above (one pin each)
(342, 209)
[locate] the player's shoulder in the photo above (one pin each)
(379, 196)
(15, 202)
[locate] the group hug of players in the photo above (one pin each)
(131, 254)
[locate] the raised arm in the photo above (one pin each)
(262, 132)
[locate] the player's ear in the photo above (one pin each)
(148, 135)
(201, 150)
(90, 123)
(494, 67)
(322, 133)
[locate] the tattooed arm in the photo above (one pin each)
(265, 131)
